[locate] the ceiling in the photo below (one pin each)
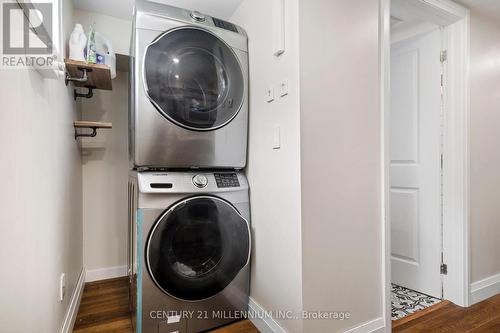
(488, 8)
(123, 8)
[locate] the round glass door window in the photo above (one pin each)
(197, 247)
(193, 78)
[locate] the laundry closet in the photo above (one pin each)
(180, 97)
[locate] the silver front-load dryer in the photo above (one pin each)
(190, 244)
(188, 99)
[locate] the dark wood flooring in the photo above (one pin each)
(482, 317)
(104, 309)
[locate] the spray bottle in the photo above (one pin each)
(91, 46)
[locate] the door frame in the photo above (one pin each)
(456, 247)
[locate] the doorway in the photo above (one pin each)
(416, 165)
(424, 102)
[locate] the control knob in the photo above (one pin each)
(200, 181)
(197, 16)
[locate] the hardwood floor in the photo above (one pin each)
(244, 326)
(400, 322)
(483, 317)
(104, 309)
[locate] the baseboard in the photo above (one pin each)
(484, 289)
(372, 326)
(265, 324)
(74, 304)
(105, 273)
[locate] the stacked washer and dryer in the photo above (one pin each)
(189, 214)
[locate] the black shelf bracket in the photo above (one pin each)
(89, 94)
(89, 135)
(83, 79)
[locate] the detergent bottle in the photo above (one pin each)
(77, 43)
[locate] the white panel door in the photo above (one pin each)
(415, 171)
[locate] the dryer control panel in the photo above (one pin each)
(226, 180)
(224, 25)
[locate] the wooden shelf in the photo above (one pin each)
(91, 124)
(98, 76)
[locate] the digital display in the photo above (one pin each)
(225, 25)
(226, 180)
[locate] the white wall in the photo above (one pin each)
(484, 147)
(105, 161)
(105, 178)
(117, 31)
(316, 202)
(40, 199)
(274, 175)
(340, 161)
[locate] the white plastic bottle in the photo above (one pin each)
(105, 49)
(77, 43)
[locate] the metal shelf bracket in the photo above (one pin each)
(84, 77)
(89, 94)
(89, 135)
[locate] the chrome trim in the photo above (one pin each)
(170, 210)
(160, 110)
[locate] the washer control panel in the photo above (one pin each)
(200, 181)
(226, 180)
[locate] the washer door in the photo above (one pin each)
(193, 78)
(197, 247)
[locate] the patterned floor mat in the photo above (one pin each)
(406, 301)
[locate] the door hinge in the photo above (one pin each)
(444, 269)
(444, 56)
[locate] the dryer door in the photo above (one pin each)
(197, 247)
(193, 78)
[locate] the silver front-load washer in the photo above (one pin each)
(188, 98)
(189, 250)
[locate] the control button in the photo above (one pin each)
(200, 181)
(197, 16)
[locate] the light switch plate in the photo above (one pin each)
(62, 287)
(284, 88)
(278, 26)
(276, 138)
(270, 94)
